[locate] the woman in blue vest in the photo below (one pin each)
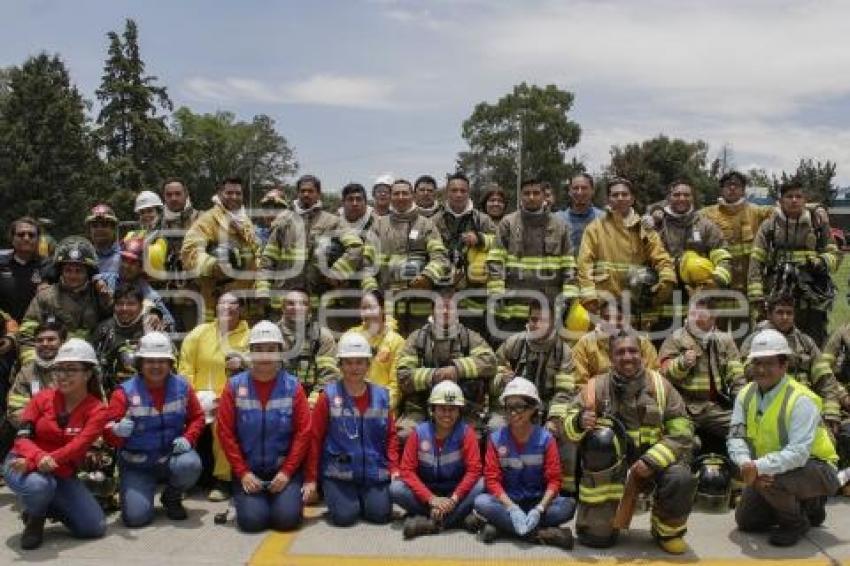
(263, 424)
(354, 439)
(157, 420)
(440, 468)
(522, 475)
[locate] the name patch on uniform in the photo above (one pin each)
(337, 401)
(242, 391)
(503, 450)
(414, 234)
(425, 446)
(136, 400)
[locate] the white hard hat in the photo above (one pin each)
(446, 393)
(147, 199)
(353, 345)
(769, 342)
(156, 346)
(265, 332)
(385, 179)
(76, 350)
(521, 387)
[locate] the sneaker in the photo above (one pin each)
(562, 537)
(219, 492)
(675, 545)
(33, 534)
(418, 526)
(473, 523)
(172, 502)
(488, 534)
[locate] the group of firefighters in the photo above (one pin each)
(498, 372)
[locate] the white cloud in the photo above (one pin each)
(320, 89)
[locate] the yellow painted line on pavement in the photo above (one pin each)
(274, 550)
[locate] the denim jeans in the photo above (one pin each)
(348, 501)
(559, 511)
(138, 484)
(65, 499)
(280, 511)
(404, 497)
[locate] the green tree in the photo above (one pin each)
(815, 177)
(134, 139)
(48, 164)
(211, 147)
(653, 164)
(493, 133)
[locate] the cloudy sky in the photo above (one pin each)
(364, 87)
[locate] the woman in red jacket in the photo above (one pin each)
(440, 467)
(57, 428)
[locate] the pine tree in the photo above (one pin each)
(132, 133)
(48, 164)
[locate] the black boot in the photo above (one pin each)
(33, 533)
(418, 526)
(815, 509)
(788, 535)
(172, 502)
(555, 536)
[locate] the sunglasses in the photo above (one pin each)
(26, 235)
(517, 407)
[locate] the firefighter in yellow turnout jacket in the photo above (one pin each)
(794, 253)
(807, 366)
(698, 250)
(704, 365)
(404, 253)
(308, 248)
(222, 247)
(443, 349)
(619, 254)
(836, 354)
(655, 440)
(532, 253)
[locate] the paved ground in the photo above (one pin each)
(199, 541)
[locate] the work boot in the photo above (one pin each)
(473, 523)
(33, 533)
(488, 534)
(172, 502)
(418, 526)
(788, 536)
(562, 537)
(815, 509)
(674, 545)
(219, 492)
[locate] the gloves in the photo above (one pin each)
(123, 428)
(180, 445)
(533, 519)
(518, 520)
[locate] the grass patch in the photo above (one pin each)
(840, 312)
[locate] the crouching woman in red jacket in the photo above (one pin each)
(57, 428)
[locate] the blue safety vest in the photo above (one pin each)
(441, 470)
(522, 472)
(154, 431)
(265, 433)
(355, 447)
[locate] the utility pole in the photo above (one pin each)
(519, 158)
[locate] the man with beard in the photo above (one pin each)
(21, 268)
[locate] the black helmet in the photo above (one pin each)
(603, 447)
(713, 473)
(640, 282)
(76, 249)
(818, 291)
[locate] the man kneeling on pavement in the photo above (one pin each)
(780, 444)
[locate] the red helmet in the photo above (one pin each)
(133, 249)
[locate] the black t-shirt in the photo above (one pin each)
(18, 284)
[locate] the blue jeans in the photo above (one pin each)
(348, 501)
(65, 499)
(404, 497)
(138, 484)
(281, 511)
(559, 511)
